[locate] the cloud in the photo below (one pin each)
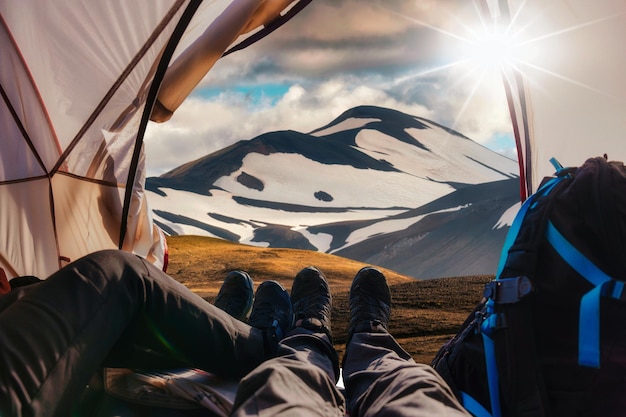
(339, 37)
(335, 55)
(471, 103)
(202, 126)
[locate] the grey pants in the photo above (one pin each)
(380, 378)
(114, 309)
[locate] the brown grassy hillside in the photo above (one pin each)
(424, 313)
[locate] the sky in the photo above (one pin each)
(418, 57)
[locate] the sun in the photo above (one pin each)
(492, 49)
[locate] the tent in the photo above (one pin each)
(79, 80)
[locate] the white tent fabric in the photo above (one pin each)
(193, 61)
(567, 91)
(78, 80)
(73, 100)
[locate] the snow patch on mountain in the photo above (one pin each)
(321, 241)
(506, 220)
(374, 185)
(390, 226)
(347, 124)
(296, 179)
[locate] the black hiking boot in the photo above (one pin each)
(370, 303)
(312, 301)
(236, 295)
(272, 312)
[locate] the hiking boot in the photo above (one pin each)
(370, 303)
(311, 300)
(272, 312)
(236, 295)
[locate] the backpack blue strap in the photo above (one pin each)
(493, 378)
(473, 406)
(618, 290)
(512, 234)
(556, 164)
(519, 219)
(574, 258)
(490, 322)
(589, 329)
(589, 315)
(545, 189)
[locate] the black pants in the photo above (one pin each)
(114, 309)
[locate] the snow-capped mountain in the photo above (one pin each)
(375, 185)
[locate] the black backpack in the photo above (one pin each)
(549, 337)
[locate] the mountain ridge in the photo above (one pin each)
(370, 177)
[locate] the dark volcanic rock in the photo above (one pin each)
(250, 181)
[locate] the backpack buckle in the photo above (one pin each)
(508, 290)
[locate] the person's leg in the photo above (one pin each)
(300, 380)
(114, 309)
(380, 377)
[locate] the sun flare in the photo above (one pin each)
(492, 49)
(473, 62)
